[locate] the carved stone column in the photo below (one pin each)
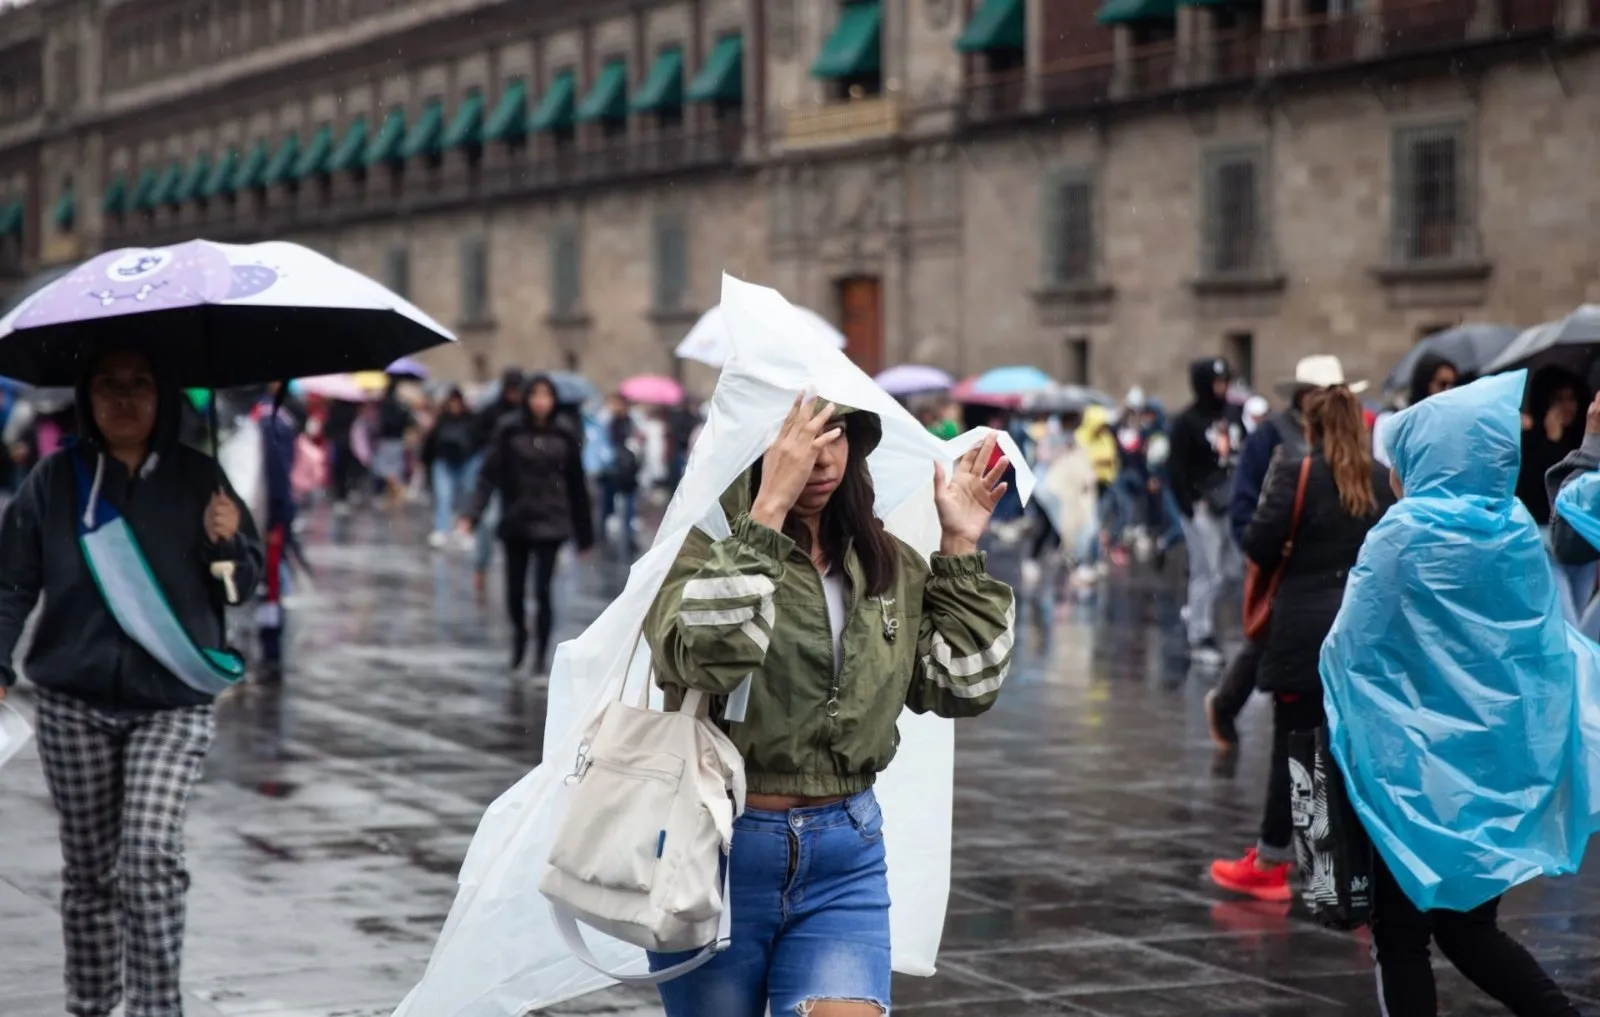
(1122, 57)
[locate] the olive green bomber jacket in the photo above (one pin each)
(752, 604)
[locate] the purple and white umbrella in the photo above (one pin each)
(914, 379)
(215, 315)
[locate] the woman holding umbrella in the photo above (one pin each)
(127, 660)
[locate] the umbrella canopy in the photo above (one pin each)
(966, 392)
(911, 379)
(1470, 347)
(339, 387)
(222, 315)
(708, 342)
(407, 367)
(652, 390)
(571, 389)
(1016, 380)
(1570, 343)
(1065, 399)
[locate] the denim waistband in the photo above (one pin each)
(853, 810)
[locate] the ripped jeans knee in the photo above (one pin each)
(840, 1008)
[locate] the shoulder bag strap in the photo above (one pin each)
(572, 936)
(1299, 506)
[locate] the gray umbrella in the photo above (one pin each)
(1065, 399)
(1570, 343)
(1469, 347)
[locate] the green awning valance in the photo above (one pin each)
(166, 185)
(1119, 12)
(139, 200)
(351, 148)
(663, 86)
(423, 137)
(250, 170)
(194, 178)
(281, 169)
(554, 112)
(221, 179)
(11, 215)
(510, 117)
(608, 99)
(314, 160)
(66, 210)
(997, 25)
(722, 78)
(385, 145)
(854, 47)
(116, 200)
(466, 128)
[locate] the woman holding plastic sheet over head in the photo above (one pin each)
(1455, 705)
(121, 534)
(838, 625)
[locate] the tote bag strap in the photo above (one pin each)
(1299, 508)
(572, 935)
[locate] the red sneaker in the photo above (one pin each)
(1245, 876)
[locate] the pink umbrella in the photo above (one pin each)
(966, 392)
(652, 389)
(339, 387)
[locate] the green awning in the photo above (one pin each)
(139, 200)
(314, 160)
(466, 128)
(608, 99)
(66, 210)
(11, 219)
(853, 49)
(997, 25)
(281, 170)
(554, 112)
(249, 174)
(193, 179)
(166, 185)
(423, 137)
(116, 200)
(722, 78)
(351, 148)
(385, 145)
(221, 179)
(510, 117)
(1119, 12)
(663, 86)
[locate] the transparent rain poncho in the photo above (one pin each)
(1460, 704)
(500, 954)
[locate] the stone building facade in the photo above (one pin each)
(1104, 189)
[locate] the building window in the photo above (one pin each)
(566, 279)
(474, 281)
(1068, 223)
(1078, 360)
(1432, 203)
(1240, 349)
(397, 271)
(671, 250)
(1234, 227)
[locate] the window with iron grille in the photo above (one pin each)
(671, 250)
(474, 280)
(397, 271)
(1432, 205)
(1069, 228)
(1234, 226)
(1078, 360)
(566, 279)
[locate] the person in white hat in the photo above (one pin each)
(1286, 430)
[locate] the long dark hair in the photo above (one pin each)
(849, 515)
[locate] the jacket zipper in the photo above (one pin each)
(838, 671)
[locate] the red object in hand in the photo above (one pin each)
(994, 457)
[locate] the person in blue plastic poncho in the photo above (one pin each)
(1451, 697)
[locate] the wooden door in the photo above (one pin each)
(861, 321)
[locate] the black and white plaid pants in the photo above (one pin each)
(121, 784)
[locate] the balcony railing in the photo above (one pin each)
(842, 122)
(421, 188)
(1400, 28)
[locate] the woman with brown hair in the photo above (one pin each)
(1346, 493)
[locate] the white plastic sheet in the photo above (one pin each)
(499, 953)
(14, 732)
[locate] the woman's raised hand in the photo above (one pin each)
(788, 462)
(967, 500)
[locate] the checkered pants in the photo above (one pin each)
(121, 785)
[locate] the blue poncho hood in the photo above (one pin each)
(1452, 685)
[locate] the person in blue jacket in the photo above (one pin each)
(278, 434)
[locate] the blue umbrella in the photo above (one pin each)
(573, 389)
(1014, 380)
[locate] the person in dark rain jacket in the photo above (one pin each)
(121, 736)
(506, 407)
(1552, 429)
(1206, 438)
(535, 465)
(450, 453)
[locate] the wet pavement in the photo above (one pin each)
(337, 807)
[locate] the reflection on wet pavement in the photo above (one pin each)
(338, 805)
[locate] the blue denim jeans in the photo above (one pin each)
(451, 483)
(810, 895)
